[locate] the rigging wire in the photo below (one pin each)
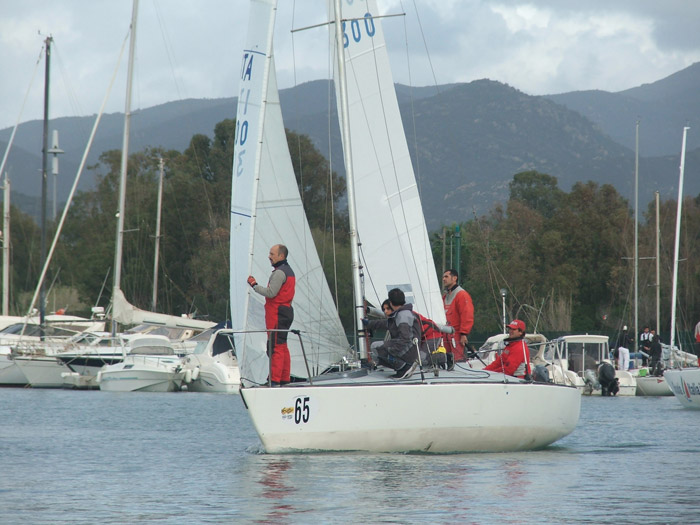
(21, 110)
(77, 178)
(168, 50)
(73, 98)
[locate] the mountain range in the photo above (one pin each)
(467, 140)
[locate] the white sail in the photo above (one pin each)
(394, 239)
(266, 209)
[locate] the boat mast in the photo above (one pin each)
(55, 152)
(125, 157)
(349, 175)
(157, 247)
(6, 247)
(44, 164)
(674, 290)
(636, 235)
(658, 275)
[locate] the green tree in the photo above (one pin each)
(538, 191)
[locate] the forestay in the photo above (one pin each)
(266, 209)
(394, 239)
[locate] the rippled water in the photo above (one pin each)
(88, 457)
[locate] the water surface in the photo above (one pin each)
(89, 457)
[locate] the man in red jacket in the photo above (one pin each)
(515, 358)
(279, 314)
(459, 312)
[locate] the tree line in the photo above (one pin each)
(564, 259)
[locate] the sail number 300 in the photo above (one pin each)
(301, 410)
(356, 29)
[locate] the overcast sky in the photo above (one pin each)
(192, 49)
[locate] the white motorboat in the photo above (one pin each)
(90, 352)
(439, 411)
(212, 365)
(575, 361)
(150, 366)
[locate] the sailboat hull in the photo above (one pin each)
(429, 417)
(653, 386)
(10, 373)
(42, 371)
(685, 385)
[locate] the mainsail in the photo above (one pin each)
(395, 245)
(266, 209)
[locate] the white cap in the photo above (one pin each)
(624, 327)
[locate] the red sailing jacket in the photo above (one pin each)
(459, 310)
(286, 294)
(514, 360)
(428, 328)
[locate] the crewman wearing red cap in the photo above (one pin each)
(515, 358)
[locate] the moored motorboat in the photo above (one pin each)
(212, 365)
(149, 367)
(580, 360)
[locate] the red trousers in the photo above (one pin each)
(280, 362)
(454, 347)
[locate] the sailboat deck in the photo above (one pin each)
(364, 376)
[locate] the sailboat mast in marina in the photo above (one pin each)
(116, 287)
(684, 382)
(44, 170)
(355, 409)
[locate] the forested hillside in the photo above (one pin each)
(564, 257)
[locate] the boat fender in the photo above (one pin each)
(195, 373)
(98, 378)
(188, 375)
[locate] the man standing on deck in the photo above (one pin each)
(459, 312)
(645, 339)
(279, 314)
(624, 343)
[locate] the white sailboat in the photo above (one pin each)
(356, 409)
(684, 382)
(649, 382)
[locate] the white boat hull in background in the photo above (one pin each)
(406, 417)
(10, 373)
(685, 385)
(139, 374)
(653, 386)
(216, 378)
(42, 371)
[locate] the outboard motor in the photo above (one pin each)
(609, 384)
(591, 380)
